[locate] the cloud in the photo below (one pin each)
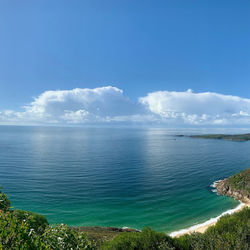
(198, 108)
(104, 104)
(110, 105)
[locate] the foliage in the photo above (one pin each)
(34, 221)
(230, 232)
(16, 234)
(147, 239)
(26, 230)
(64, 237)
(241, 182)
(4, 201)
(192, 241)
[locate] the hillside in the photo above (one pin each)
(237, 186)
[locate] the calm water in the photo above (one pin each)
(117, 177)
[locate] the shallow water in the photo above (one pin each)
(117, 176)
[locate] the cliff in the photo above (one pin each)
(236, 186)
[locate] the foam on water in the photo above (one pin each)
(214, 183)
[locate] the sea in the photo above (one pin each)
(119, 176)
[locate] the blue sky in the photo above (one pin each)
(139, 47)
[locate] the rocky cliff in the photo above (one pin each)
(236, 186)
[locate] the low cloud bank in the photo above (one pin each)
(110, 105)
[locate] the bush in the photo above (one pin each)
(241, 182)
(230, 232)
(147, 239)
(194, 241)
(26, 230)
(34, 221)
(64, 237)
(15, 234)
(4, 201)
(18, 234)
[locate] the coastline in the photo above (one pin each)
(202, 227)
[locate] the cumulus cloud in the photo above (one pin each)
(198, 108)
(105, 104)
(110, 105)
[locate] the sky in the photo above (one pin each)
(148, 62)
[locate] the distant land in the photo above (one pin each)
(238, 137)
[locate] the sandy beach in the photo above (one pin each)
(201, 228)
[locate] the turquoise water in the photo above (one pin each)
(117, 176)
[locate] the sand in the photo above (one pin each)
(201, 228)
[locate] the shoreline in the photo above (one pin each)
(202, 227)
(227, 187)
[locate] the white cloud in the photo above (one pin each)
(198, 108)
(99, 101)
(105, 104)
(110, 105)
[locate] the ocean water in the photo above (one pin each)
(132, 177)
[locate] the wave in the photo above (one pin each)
(214, 183)
(208, 222)
(213, 188)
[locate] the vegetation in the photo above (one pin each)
(4, 202)
(147, 239)
(64, 237)
(240, 182)
(230, 232)
(26, 230)
(16, 234)
(240, 137)
(34, 221)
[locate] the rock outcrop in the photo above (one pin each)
(223, 187)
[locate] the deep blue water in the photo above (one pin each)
(117, 176)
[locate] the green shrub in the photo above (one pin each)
(241, 182)
(34, 221)
(15, 234)
(147, 239)
(194, 241)
(64, 237)
(230, 232)
(4, 201)
(18, 234)
(26, 230)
